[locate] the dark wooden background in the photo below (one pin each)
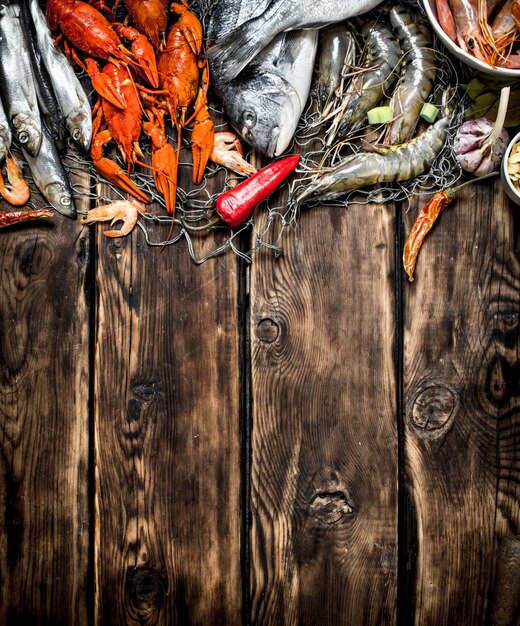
(308, 440)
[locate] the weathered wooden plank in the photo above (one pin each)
(44, 335)
(167, 436)
(324, 439)
(462, 424)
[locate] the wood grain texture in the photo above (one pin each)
(324, 438)
(461, 377)
(167, 442)
(44, 331)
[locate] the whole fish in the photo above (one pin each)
(71, 96)
(5, 134)
(232, 52)
(50, 177)
(48, 104)
(17, 81)
(266, 101)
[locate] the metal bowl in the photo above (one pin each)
(512, 192)
(497, 73)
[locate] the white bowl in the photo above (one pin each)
(431, 12)
(511, 191)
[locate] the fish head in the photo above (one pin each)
(265, 111)
(60, 198)
(28, 133)
(80, 126)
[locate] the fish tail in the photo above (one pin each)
(230, 55)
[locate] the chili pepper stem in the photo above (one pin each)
(454, 190)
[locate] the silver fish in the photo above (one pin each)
(5, 134)
(232, 52)
(266, 101)
(17, 82)
(71, 96)
(50, 177)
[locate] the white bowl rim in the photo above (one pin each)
(467, 58)
(505, 159)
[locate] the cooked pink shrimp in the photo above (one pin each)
(227, 151)
(18, 193)
(126, 211)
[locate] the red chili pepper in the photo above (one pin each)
(15, 217)
(236, 205)
(425, 221)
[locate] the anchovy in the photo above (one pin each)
(232, 53)
(5, 134)
(368, 87)
(71, 96)
(50, 177)
(266, 101)
(17, 81)
(48, 104)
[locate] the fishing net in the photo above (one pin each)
(195, 207)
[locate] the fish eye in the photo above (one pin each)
(23, 137)
(249, 118)
(65, 201)
(76, 134)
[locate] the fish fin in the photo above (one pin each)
(230, 55)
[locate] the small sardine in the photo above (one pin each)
(266, 101)
(71, 96)
(5, 134)
(48, 104)
(234, 51)
(17, 81)
(49, 176)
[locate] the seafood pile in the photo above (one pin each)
(41, 100)
(489, 31)
(359, 88)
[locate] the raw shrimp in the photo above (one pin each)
(337, 56)
(388, 165)
(418, 75)
(368, 87)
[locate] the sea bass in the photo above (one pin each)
(266, 101)
(232, 52)
(17, 81)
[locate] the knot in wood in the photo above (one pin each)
(433, 407)
(267, 330)
(329, 508)
(145, 589)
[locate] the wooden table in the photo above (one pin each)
(309, 440)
